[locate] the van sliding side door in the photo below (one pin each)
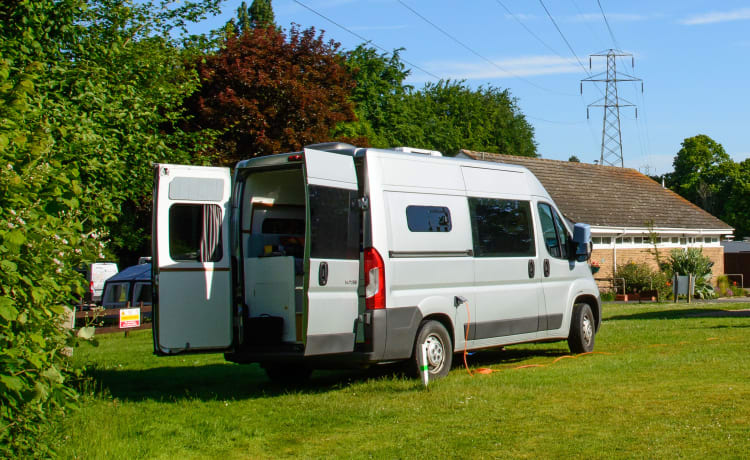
(332, 248)
(191, 263)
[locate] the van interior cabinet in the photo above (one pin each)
(270, 290)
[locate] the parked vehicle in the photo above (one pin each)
(340, 256)
(97, 274)
(132, 286)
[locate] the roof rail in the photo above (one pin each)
(328, 146)
(432, 153)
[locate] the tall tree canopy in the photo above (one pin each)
(261, 13)
(737, 210)
(445, 116)
(271, 92)
(703, 173)
(707, 176)
(258, 15)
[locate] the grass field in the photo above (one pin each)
(675, 382)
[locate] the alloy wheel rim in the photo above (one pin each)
(435, 353)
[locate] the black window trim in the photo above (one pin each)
(560, 243)
(532, 228)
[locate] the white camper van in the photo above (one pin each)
(338, 256)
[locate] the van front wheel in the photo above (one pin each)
(582, 329)
(439, 350)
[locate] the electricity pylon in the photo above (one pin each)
(611, 135)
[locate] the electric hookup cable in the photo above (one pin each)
(487, 370)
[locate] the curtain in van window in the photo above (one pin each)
(210, 248)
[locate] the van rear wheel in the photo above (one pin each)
(439, 350)
(582, 329)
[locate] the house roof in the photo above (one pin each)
(607, 196)
(735, 246)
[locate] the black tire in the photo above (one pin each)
(582, 329)
(287, 373)
(439, 353)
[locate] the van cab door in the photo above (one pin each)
(332, 251)
(191, 266)
(558, 272)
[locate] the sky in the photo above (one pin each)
(692, 56)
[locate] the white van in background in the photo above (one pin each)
(97, 274)
(338, 256)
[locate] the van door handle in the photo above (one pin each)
(532, 269)
(546, 268)
(323, 274)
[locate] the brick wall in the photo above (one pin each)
(605, 258)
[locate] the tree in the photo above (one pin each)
(378, 95)
(90, 95)
(703, 173)
(445, 116)
(737, 209)
(574, 159)
(449, 116)
(270, 93)
(261, 14)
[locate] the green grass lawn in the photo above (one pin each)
(675, 383)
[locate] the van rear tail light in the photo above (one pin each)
(374, 280)
(91, 287)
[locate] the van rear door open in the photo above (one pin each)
(332, 250)
(191, 266)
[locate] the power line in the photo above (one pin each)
(468, 48)
(563, 37)
(365, 39)
(529, 30)
(611, 34)
(582, 16)
(413, 65)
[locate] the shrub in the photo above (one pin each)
(693, 262)
(641, 277)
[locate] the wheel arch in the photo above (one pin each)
(595, 306)
(447, 324)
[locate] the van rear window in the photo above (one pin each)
(195, 233)
(334, 223)
(501, 228)
(428, 219)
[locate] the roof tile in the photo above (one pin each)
(608, 196)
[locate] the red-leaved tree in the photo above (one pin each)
(269, 92)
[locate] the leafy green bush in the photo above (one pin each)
(728, 288)
(693, 262)
(641, 277)
(41, 242)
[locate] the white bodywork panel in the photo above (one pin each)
(194, 298)
(332, 308)
(482, 181)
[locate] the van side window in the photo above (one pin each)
(428, 218)
(334, 223)
(501, 228)
(555, 235)
(195, 233)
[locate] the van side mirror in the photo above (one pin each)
(582, 242)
